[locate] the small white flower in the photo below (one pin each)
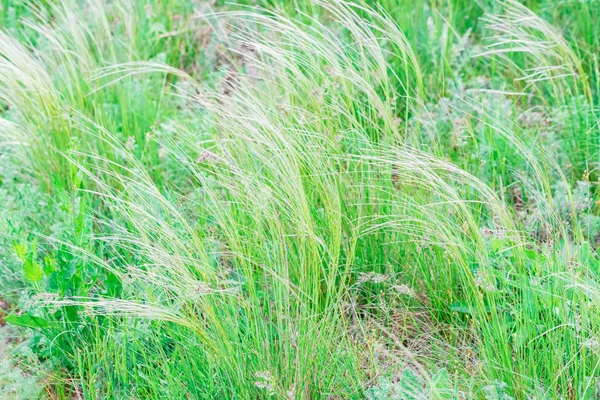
(162, 153)
(404, 290)
(487, 232)
(202, 289)
(291, 394)
(364, 277)
(265, 381)
(208, 157)
(535, 281)
(263, 375)
(484, 281)
(372, 277)
(378, 278)
(130, 143)
(591, 343)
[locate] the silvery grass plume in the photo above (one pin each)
(548, 61)
(43, 85)
(316, 113)
(548, 56)
(309, 177)
(278, 132)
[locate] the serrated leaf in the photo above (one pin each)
(20, 250)
(33, 271)
(49, 265)
(441, 385)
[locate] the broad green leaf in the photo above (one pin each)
(20, 250)
(49, 265)
(496, 245)
(113, 285)
(33, 271)
(461, 307)
(464, 308)
(27, 320)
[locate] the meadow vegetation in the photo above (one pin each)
(299, 199)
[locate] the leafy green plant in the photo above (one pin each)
(313, 199)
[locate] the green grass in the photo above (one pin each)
(310, 199)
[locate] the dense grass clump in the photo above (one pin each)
(300, 199)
